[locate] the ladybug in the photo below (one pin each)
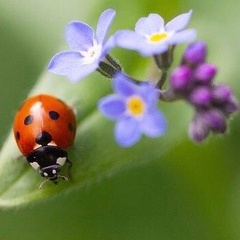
(43, 128)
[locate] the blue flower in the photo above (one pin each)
(134, 108)
(87, 48)
(152, 37)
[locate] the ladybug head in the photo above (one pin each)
(51, 173)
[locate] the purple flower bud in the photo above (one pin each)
(204, 73)
(195, 53)
(231, 106)
(198, 130)
(201, 96)
(215, 119)
(221, 94)
(181, 78)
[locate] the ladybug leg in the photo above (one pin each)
(63, 177)
(69, 168)
(42, 183)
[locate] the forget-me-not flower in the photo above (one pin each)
(134, 108)
(152, 37)
(87, 48)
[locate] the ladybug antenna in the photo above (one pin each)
(63, 177)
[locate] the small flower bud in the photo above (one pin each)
(180, 78)
(231, 106)
(221, 93)
(198, 130)
(195, 53)
(204, 73)
(216, 120)
(201, 96)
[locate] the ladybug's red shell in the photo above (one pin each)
(44, 114)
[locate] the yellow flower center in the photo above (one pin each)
(135, 106)
(158, 37)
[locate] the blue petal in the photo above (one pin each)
(153, 49)
(179, 22)
(154, 124)
(104, 23)
(112, 106)
(183, 37)
(81, 72)
(149, 25)
(79, 36)
(127, 132)
(63, 63)
(123, 85)
(69, 63)
(149, 94)
(128, 39)
(107, 47)
(133, 41)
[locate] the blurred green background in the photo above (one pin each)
(191, 193)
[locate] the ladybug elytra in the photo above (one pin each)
(43, 128)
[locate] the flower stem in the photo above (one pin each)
(168, 96)
(109, 67)
(162, 80)
(164, 62)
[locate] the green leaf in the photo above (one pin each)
(94, 154)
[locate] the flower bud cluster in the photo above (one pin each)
(193, 82)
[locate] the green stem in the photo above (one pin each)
(164, 62)
(168, 96)
(162, 80)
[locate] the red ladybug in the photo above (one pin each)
(43, 127)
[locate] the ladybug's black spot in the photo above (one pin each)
(53, 115)
(43, 138)
(17, 135)
(28, 119)
(70, 127)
